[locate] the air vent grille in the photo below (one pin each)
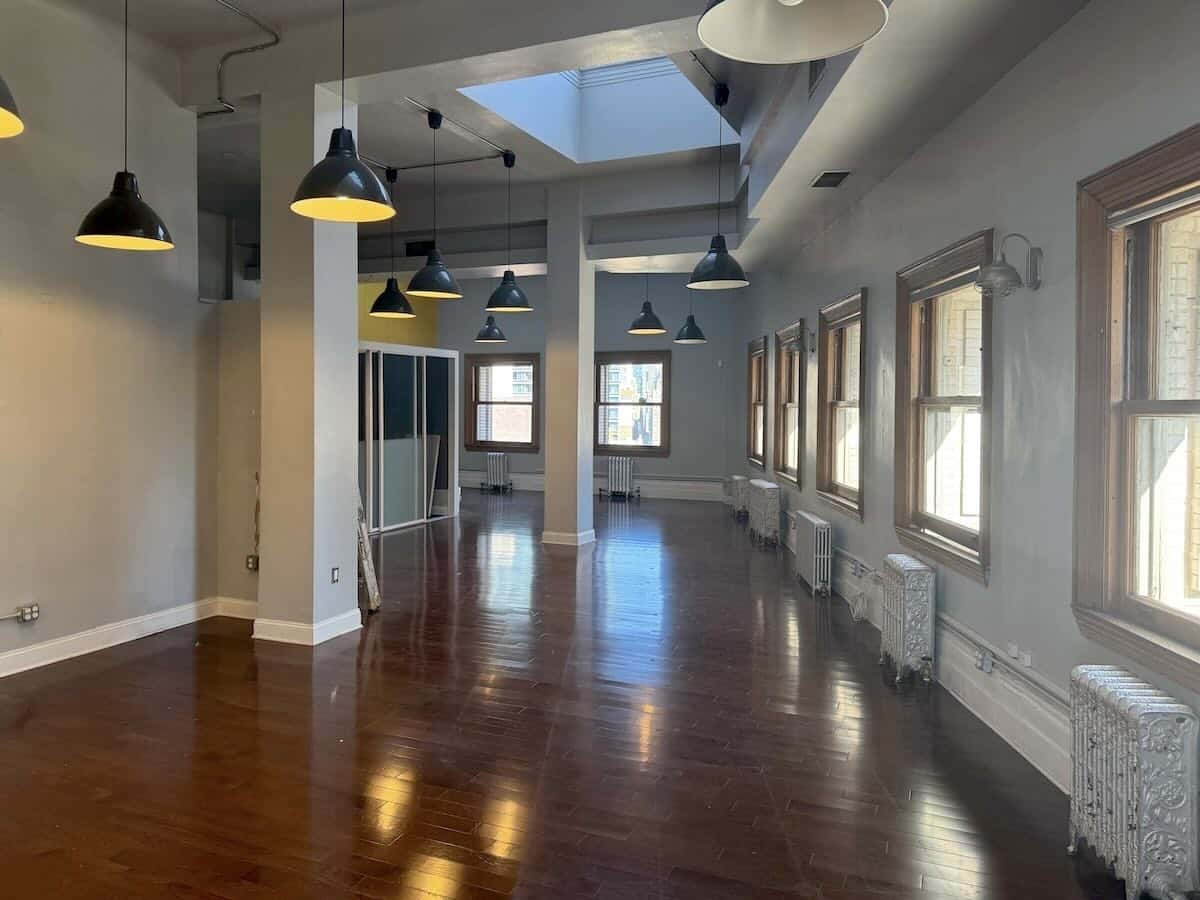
(831, 179)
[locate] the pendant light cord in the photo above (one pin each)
(435, 187)
(720, 161)
(126, 105)
(343, 62)
(392, 225)
(508, 207)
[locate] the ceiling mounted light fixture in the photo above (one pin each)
(788, 31)
(434, 281)
(647, 322)
(718, 270)
(490, 333)
(508, 296)
(392, 304)
(341, 187)
(690, 333)
(11, 123)
(123, 220)
(1002, 279)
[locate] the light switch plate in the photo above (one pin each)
(335, 575)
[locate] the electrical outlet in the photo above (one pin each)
(984, 661)
(252, 562)
(1014, 651)
(28, 614)
(335, 575)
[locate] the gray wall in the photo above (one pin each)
(702, 381)
(1011, 161)
(107, 362)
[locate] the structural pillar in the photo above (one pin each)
(308, 584)
(569, 374)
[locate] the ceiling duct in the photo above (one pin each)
(225, 107)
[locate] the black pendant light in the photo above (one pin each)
(123, 220)
(788, 31)
(490, 333)
(392, 304)
(10, 117)
(690, 333)
(718, 270)
(434, 281)
(647, 322)
(341, 187)
(508, 297)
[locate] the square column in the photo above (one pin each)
(308, 346)
(569, 378)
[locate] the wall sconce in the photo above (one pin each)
(1002, 279)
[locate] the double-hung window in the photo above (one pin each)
(633, 403)
(502, 402)
(789, 401)
(756, 413)
(839, 415)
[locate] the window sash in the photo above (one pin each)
(756, 418)
(835, 363)
(476, 364)
(603, 360)
(789, 410)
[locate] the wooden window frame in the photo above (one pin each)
(1111, 372)
(789, 340)
(633, 356)
(474, 362)
(956, 547)
(834, 319)
(756, 355)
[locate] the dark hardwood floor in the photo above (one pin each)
(665, 715)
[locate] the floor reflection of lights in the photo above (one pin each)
(503, 828)
(394, 790)
(432, 876)
(645, 727)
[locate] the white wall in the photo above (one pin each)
(107, 376)
(1115, 79)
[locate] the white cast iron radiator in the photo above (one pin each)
(909, 616)
(814, 552)
(1134, 781)
(620, 479)
(497, 474)
(764, 512)
(740, 486)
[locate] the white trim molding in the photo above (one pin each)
(653, 487)
(110, 635)
(569, 538)
(308, 635)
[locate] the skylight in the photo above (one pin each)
(640, 108)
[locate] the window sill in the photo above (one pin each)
(961, 560)
(501, 448)
(842, 504)
(791, 480)
(636, 452)
(1167, 657)
(757, 463)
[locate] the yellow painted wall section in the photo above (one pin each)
(419, 332)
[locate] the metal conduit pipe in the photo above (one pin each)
(226, 106)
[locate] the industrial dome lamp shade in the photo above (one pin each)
(123, 220)
(647, 322)
(717, 269)
(690, 333)
(341, 187)
(392, 304)
(490, 333)
(10, 117)
(508, 296)
(789, 31)
(1002, 278)
(434, 281)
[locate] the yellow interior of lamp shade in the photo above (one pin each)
(343, 209)
(508, 309)
(434, 295)
(123, 242)
(393, 315)
(647, 331)
(10, 124)
(717, 285)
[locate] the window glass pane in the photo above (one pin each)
(1178, 328)
(851, 350)
(506, 382)
(756, 428)
(958, 343)
(631, 426)
(791, 438)
(1166, 507)
(952, 464)
(845, 446)
(631, 383)
(504, 424)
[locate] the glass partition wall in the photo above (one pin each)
(407, 446)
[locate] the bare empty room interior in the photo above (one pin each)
(657, 450)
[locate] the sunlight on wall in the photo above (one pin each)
(419, 332)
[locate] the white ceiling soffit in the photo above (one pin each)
(929, 64)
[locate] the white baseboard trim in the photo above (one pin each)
(569, 538)
(103, 636)
(654, 488)
(284, 632)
